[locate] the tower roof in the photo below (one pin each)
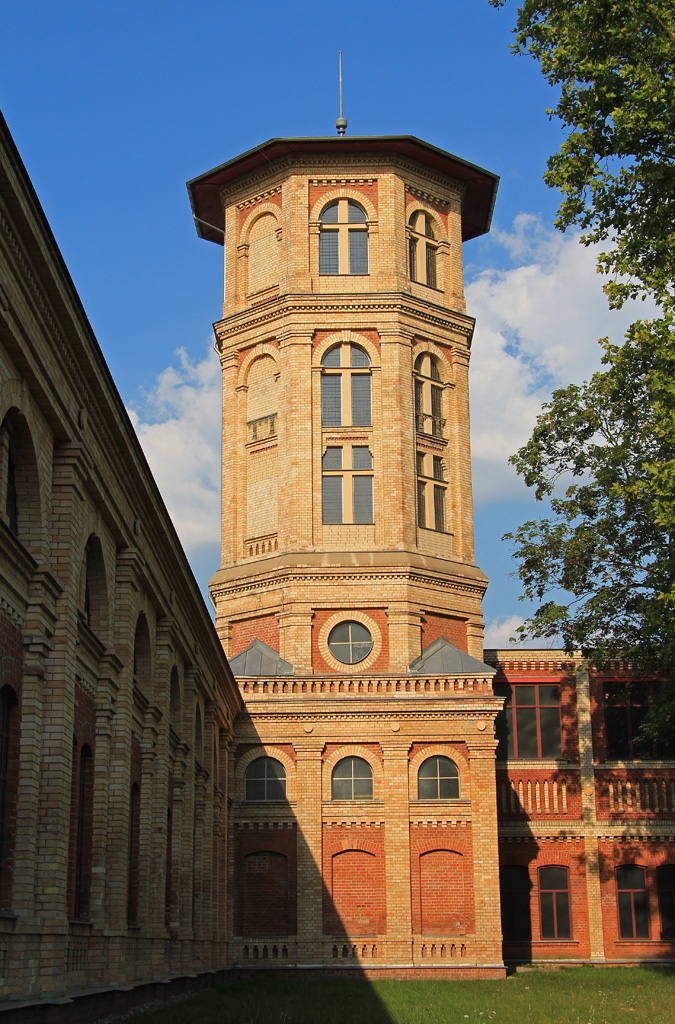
(480, 185)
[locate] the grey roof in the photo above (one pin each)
(443, 658)
(260, 660)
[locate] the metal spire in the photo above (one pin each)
(341, 123)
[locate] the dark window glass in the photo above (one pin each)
(555, 903)
(333, 357)
(626, 706)
(412, 258)
(632, 899)
(356, 214)
(358, 252)
(330, 214)
(331, 400)
(329, 252)
(332, 459)
(265, 780)
(350, 642)
(421, 505)
(420, 464)
(438, 468)
(361, 457)
(352, 779)
(515, 886)
(81, 893)
(362, 499)
(12, 504)
(358, 357)
(361, 402)
(529, 726)
(665, 881)
(134, 854)
(431, 266)
(438, 779)
(331, 500)
(439, 508)
(6, 706)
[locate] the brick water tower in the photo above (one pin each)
(363, 829)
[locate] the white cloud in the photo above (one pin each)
(178, 425)
(538, 324)
(499, 631)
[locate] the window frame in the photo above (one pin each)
(345, 230)
(431, 486)
(347, 369)
(507, 722)
(352, 758)
(518, 901)
(666, 897)
(634, 937)
(438, 758)
(428, 396)
(349, 513)
(634, 749)
(556, 903)
(422, 249)
(282, 780)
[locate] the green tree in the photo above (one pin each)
(602, 566)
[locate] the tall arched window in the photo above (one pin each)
(438, 779)
(352, 779)
(21, 500)
(82, 813)
(343, 238)
(422, 249)
(94, 595)
(665, 883)
(142, 657)
(346, 399)
(265, 780)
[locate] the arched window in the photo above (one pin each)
(94, 596)
(175, 701)
(352, 779)
(554, 903)
(21, 500)
(199, 742)
(632, 899)
(263, 254)
(265, 780)
(514, 887)
(346, 387)
(428, 396)
(422, 249)
(134, 854)
(343, 238)
(438, 779)
(142, 656)
(665, 883)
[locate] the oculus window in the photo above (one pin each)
(350, 642)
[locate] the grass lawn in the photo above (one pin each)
(574, 995)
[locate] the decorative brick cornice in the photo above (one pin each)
(254, 200)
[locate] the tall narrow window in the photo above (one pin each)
(343, 238)
(632, 899)
(134, 852)
(428, 396)
(83, 837)
(430, 468)
(12, 504)
(554, 903)
(665, 882)
(422, 249)
(515, 887)
(346, 387)
(347, 485)
(7, 702)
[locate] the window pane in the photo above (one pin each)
(361, 458)
(436, 401)
(550, 732)
(549, 695)
(562, 906)
(255, 789)
(524, 695)
(363, 499)
(667, 912)
(343, 769)
(355, 213)
(361, 404)
(332, 459)
(428, 769)
(547, 916)
(438, 468)
(360, 650)
(276, 789)
(448, 789)
(341, 789)
(420, 464)
(275, 769)
(363, 789)
(358, 252)
(329, 260)
(427, 789)
(439, 508)
(431, 266)
(665, 877)
(359, 358)
(331, 400)
(616, 723)
(526, 725)
(256, 769)
(553, 878)
(421, 505)
(331, 488)
(333, 357)
(641, 915)
(359, 632)
(630, 876)
(412, 258)
(330, 214)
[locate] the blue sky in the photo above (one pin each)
(114, 106)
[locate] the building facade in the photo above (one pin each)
(396, 792)
(116, 700)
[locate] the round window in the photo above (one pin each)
(350, 642)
